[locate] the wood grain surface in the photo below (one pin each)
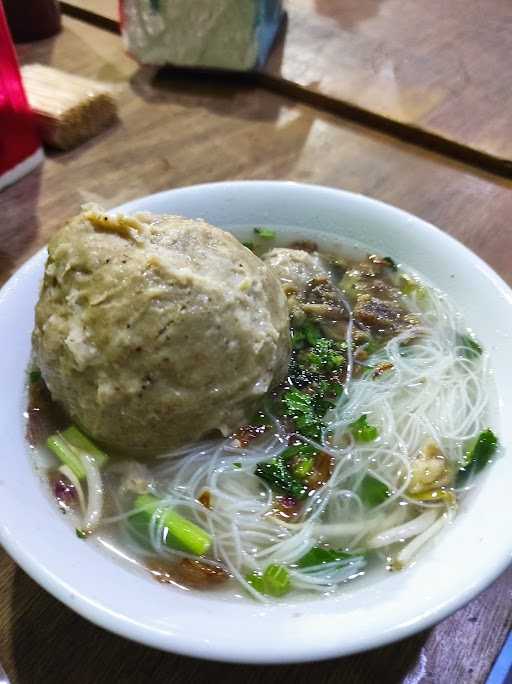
(442, 69)
(174, 131)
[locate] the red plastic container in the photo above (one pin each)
(20, 148)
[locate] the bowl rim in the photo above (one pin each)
(178, 643)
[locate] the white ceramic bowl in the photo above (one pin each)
(467, 557)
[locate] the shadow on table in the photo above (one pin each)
(220, 92)
(51, 644)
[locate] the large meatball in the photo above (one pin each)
(152, 331)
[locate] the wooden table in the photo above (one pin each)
(439, 72)
(177, 131)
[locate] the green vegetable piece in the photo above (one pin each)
(80, 441)
(470, 347)
(319, 555)
(275, 581)
(255, 579)
(362, 430)
(296, 401)
(312, 332)
(277, 474)
(372, 491)
(297, 450)
(478, 454)
(482, 450)
(306, 335)
(325, 355)
(179, 533)
(66, 454)
(237, 464)
(80, 533)
(249, 245)
(300, 406)
(66, 446)
(304, 467)
(266, 233)
(34, 376)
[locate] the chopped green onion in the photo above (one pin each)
(77, 439)
(372, 491)
(80, 533)
(470, 347)
(249, 245)
(275, 581)
(362, 430)
(68, 445)
(178, 532)
(266, 233)
(304, 467)
(67, 454)
(237, 464)
(478, 455)
(320, 556)
(255, 579)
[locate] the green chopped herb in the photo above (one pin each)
(34, 376)
(478, 454)
(372, 491)
(318, 556)
(296, 401)
(306, 335)
(80, 533)
(469, 346)
(362, 430)
(300, 406)
(278, 475)
(298, 450)
(275, 581)
(237, 464)
(249, 245)
(266, 233)
(325, 355)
